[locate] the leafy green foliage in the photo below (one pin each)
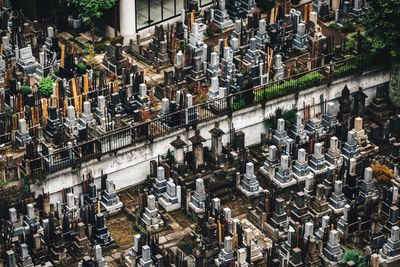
(357, 63)
(25, 89)
(394, 86)
(306, 81)
(355, 256)
(350, 43)
(345, 70)
(139, 228)
(288, 115)
(184, 46)
(382, 25)
(81, 67)
(309, 80)
(116, 40)
(46, 87)
(100, 48)
(238, 105)
(170, 155)
(345, 26)
(335, 26)
(26, 188)
(9, 112)
(90, 10)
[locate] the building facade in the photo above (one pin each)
(138, 15)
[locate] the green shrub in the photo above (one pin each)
(81, 67)
(170, 155)
(347, 26)
(309, 80)
(345, 70)
(100, 48)
(306, 81)
(353, 255)
(335, 27)
(25, 89)
(116, 40)
(350, 43)
(238, 105)
(184, 46)
(9, 112)
(289, 116)
(46, 87)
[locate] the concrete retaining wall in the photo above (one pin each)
(130, 166)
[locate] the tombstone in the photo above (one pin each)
(13, 215)
(278, 68)
(308, 230)
(197, 147)
(10, 258)
(357, 9)
(300, 41)
(24, 257)
(333, 251)
(151, 218)
(198, 198)
(142, 90)
(22, 136)
(165, 106)
(239, 140)
(31, 211)
(221, 17)
(179, 153)
(26, 61)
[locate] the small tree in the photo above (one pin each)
(46, 87)
(90, 10)
(90, 55)
(25, 89)
(382, 25)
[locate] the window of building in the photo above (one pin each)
(205, 2)
(150, 12)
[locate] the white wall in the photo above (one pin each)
(130, 166)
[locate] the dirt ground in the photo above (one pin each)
(121, 229)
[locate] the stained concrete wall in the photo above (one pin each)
(130, 166)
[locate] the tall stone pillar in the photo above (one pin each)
(127, 19)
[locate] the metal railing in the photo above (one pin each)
(131, 134)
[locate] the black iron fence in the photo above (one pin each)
(129, 135)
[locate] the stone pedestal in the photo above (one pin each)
(249, 185)
(198, 197)
(171, 199)
(151, 218)
(109, 199)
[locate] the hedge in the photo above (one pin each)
(345, 70)
(25, 89)
(306, 81)
(238, 105)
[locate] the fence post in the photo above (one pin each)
(229, 102)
